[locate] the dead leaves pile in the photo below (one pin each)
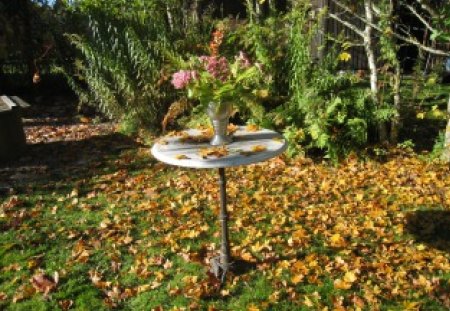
(303, 226)
(75, 132)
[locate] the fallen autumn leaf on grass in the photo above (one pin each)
(133, 234)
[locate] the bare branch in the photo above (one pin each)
(347, 24)
(427, 8)
(376, 9)
(420, 17)
(406, 38)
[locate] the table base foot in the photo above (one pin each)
(219, 269)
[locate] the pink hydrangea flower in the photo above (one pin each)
(217, 67)
(182, 78)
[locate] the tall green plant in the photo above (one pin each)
(266, 39)
(333, 112)
(121, 65)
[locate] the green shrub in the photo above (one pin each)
(126, 59)
(121, 68)
(333, 110)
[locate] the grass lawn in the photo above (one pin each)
(95, 223)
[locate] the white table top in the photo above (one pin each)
(192, 149)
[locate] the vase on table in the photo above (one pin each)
(220, 113)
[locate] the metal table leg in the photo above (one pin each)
(220, 265)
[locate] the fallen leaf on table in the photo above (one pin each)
(232, 128)
(253, 150)
(218, 152)
(252, 128)
(203, 138)
(258, 148)
(181, 157)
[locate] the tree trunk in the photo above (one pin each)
(27, 36)
(395, 122)
(446, 152)
(371, 59)
(195, 12)
(258, 11)
(169, 17)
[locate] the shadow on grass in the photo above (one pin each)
(431, 228)
(63, 160)
(241, 267)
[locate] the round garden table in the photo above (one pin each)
(191, 148)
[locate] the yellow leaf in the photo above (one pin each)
(155, 284)
(308, 302)
(85, 120)
(420, 115)
(350, 277)
(359, 197)
(252, 307)
(297, 278)
(258, 148)
(274, 297)
(247, 256)
(340, 284)
(252, 128)
(411, 305)
(337, 240)
(143, 288)
(345, 57)
(181, 157)
(420, 247)
(262, 93)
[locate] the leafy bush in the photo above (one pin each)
(265, 39)
(122, 71)
(334, 112)
(125, 60)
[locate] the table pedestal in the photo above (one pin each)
(247, 147)
(220, 265)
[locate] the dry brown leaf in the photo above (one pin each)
(3, 296)
(217, 152)
(65, 304)
(258, 148)
(85, 120)
(23, 292)
(42, 283)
